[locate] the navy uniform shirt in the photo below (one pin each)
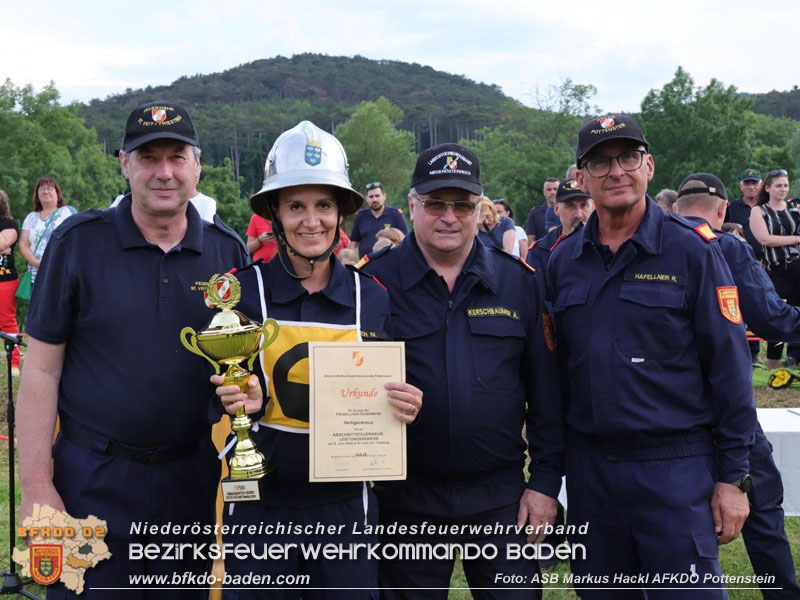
(119, 303)
(365, 226)
(535, 224)
(764, 311)
(645, 344)
(739, 212)
(287, 300)
(539, 253)
(481, 357)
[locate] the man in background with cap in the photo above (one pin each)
(702, 200)
(135, 408)
(374, 217)
(739, 212)
(659, 410)
(573, 207)
(481, 348)
(739, 209)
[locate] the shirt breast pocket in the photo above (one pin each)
(497, 345)
(652, 320)
(424, 345)
(572, 315)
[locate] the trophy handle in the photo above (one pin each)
(191, 346)
(266, 339)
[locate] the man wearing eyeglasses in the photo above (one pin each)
(369, 221)
(481, 348)
(659, 411)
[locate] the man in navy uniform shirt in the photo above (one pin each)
(739, 209)
(659, 409)
(482, 350)
(702, 200)
(573, 207)
(536, 226)
(369, 221)
(114, 290)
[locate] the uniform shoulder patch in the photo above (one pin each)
(526, 265)
(704, 230)
(368, 258)
(355, 268)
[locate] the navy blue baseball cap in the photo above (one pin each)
(711, 185)
(447, 165)
(607, 127)
(158, 120)
(569, 190)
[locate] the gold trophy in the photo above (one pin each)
(229, 339)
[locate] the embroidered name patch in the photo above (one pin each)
(493, 311)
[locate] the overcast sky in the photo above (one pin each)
(92, 48)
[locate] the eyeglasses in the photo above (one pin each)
(437, 208)
(600, 166)
(46, 188)
(373, 185)
(778, 173)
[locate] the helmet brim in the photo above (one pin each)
(348, 199)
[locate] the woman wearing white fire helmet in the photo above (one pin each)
(307, 194)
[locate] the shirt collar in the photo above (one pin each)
(284, 288)
(414, 267)
(647, 236)
(131, 236)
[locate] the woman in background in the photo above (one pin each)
(9, 279)
(504, 210)
(494, 231)
(776, 226)
(49, 211)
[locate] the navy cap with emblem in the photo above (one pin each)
(750, 175)
(447, 165)
(158, 120)
(712, 185)
(569, 190)
(605, 128)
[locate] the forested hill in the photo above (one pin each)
(778, 104)
(241, 111)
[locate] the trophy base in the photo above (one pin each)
(242, 490)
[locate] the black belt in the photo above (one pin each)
(655, 447)
(77, 434)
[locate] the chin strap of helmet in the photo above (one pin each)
(280, 234)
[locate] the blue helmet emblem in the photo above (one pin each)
(313, 154)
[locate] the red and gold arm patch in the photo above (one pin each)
(728, 298)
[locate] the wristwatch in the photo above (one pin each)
(744, 483)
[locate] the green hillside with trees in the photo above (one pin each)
(241, 111)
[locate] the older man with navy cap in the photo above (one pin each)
(481, 348)
(659, 409)
(114, 290)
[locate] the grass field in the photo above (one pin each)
(733, 556)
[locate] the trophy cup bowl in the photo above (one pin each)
(229, 339)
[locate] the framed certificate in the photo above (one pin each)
(353, 433)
